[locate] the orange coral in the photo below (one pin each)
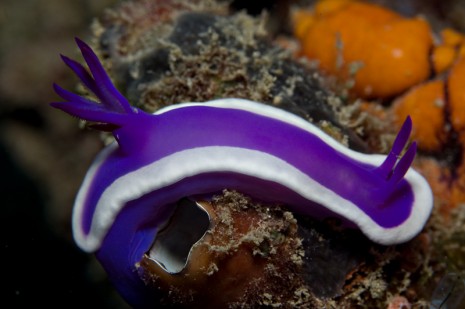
(456, 91)
(451, 48)
(455, 87)
(461, 52)
(451, 37)
(443, 57)
(393, 50)
(425, 104)
(304, 20)
(330, 6)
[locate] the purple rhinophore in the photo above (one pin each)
(202, 148)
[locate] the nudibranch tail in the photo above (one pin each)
(112, 107)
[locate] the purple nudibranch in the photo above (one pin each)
(201, 148)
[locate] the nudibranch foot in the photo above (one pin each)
(250, 249)
(269, 154)
(173, 245)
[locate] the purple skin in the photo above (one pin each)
(393, 201)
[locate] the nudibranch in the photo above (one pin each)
(196, 149)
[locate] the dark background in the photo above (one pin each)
(43, 157)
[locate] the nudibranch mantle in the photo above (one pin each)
(267, 167)
(190, 149)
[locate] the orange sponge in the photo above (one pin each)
(425, 105)
(456, 90)
(385, 52)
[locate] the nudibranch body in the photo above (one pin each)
(193, 149)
